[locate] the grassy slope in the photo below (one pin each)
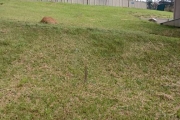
(133, 65)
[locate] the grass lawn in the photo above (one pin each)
(133, 66)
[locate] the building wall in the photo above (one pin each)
(177, 9)
(176, 21)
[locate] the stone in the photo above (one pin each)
(152, 20)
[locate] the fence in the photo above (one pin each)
(120, 3)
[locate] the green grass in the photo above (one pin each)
(133, 65)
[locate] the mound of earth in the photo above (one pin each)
(48, 20)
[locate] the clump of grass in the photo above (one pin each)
(178, 113)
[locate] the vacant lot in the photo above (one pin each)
(133, 66)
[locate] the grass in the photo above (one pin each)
(133, 65)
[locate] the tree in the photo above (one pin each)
(149, 2)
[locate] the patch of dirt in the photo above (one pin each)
(48, 20)
(4, 31)
(165, 96)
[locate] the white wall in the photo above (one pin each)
(118, 3)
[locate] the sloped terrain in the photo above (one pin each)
(133, 65)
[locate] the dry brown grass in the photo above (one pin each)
(133, 67)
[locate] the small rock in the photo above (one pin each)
(152, 20)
